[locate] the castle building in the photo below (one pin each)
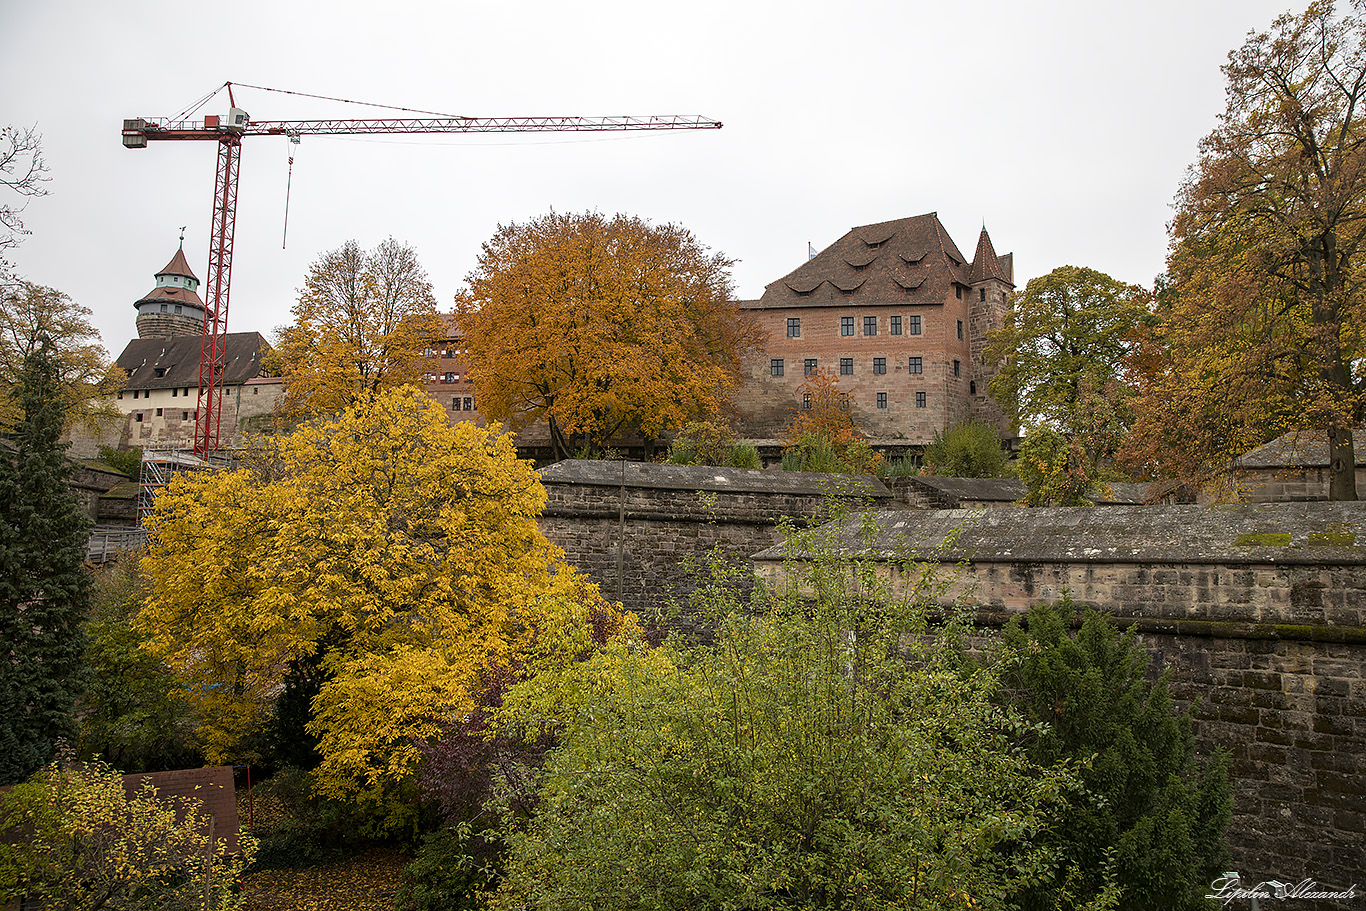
(898, 316)
(447, 379)
(160, 397)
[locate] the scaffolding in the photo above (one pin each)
(158, 467)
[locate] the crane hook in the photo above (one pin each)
(294, 139)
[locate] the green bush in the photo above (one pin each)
(903, 467)
(128, 461)
(453, 871)
(128, 714)
(1148, 812)
(831, 750)
(298, 829)
(744, 455)
(708, 443)
(968, 450)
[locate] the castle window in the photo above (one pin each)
(913, 325)
(846, 325)
(158, 412)
(984, 294)
(139, 417)
(173, 392)
(159, 372)
(184, 415)
(916, 365)
(895, 327)
(844, 401)
(956, 371)
(164, 308)
(846, 366)
(135, 393)
(469, 403)
(775, 367)
(255, 390)
(920, 400)
(450, 378)
(870, 325)
(120, 393)
(879, 365)
(455, 404)
(960, 330)
(177, 308)
(958, 291)
(809, 367)
(972, 387)
(806, 403)
(882, 400)
(794, 327)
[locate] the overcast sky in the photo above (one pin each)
(1065, 126)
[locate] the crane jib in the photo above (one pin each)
(228, 132)
(138, 131)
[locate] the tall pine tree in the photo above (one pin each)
(1150, 816)
(44, 586)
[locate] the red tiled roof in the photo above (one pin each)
(171, 295)
(985, 265)
(178, 266)
(906, 261)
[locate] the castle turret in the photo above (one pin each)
(993, 280)
(173, 307)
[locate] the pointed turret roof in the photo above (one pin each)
(985, 263)
(178, 266)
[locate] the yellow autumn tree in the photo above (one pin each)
(600, 325)
(403, 550)
(360, 325)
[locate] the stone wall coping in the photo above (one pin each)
(592, 473)
(1318, 533)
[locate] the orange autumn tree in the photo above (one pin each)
(599, 326)
(360, 324)
(823, 435)
(1262, 324)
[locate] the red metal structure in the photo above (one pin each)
(228, 133)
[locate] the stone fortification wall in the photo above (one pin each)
(1259, 612)
(630, 525)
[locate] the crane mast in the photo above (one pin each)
(229, 132)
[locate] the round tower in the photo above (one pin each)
(173, 307)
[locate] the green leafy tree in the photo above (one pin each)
(32, 317)
(75, 839)
(44, 587)
(967, 450)
(828, 751)
(1147, 810)
(1060, 357)
(127, 714)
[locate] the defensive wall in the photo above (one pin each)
(1257, 610)
(631, 526)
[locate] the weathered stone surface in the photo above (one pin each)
(657, 522)
(1257, 610)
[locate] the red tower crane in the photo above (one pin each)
(229, 131)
